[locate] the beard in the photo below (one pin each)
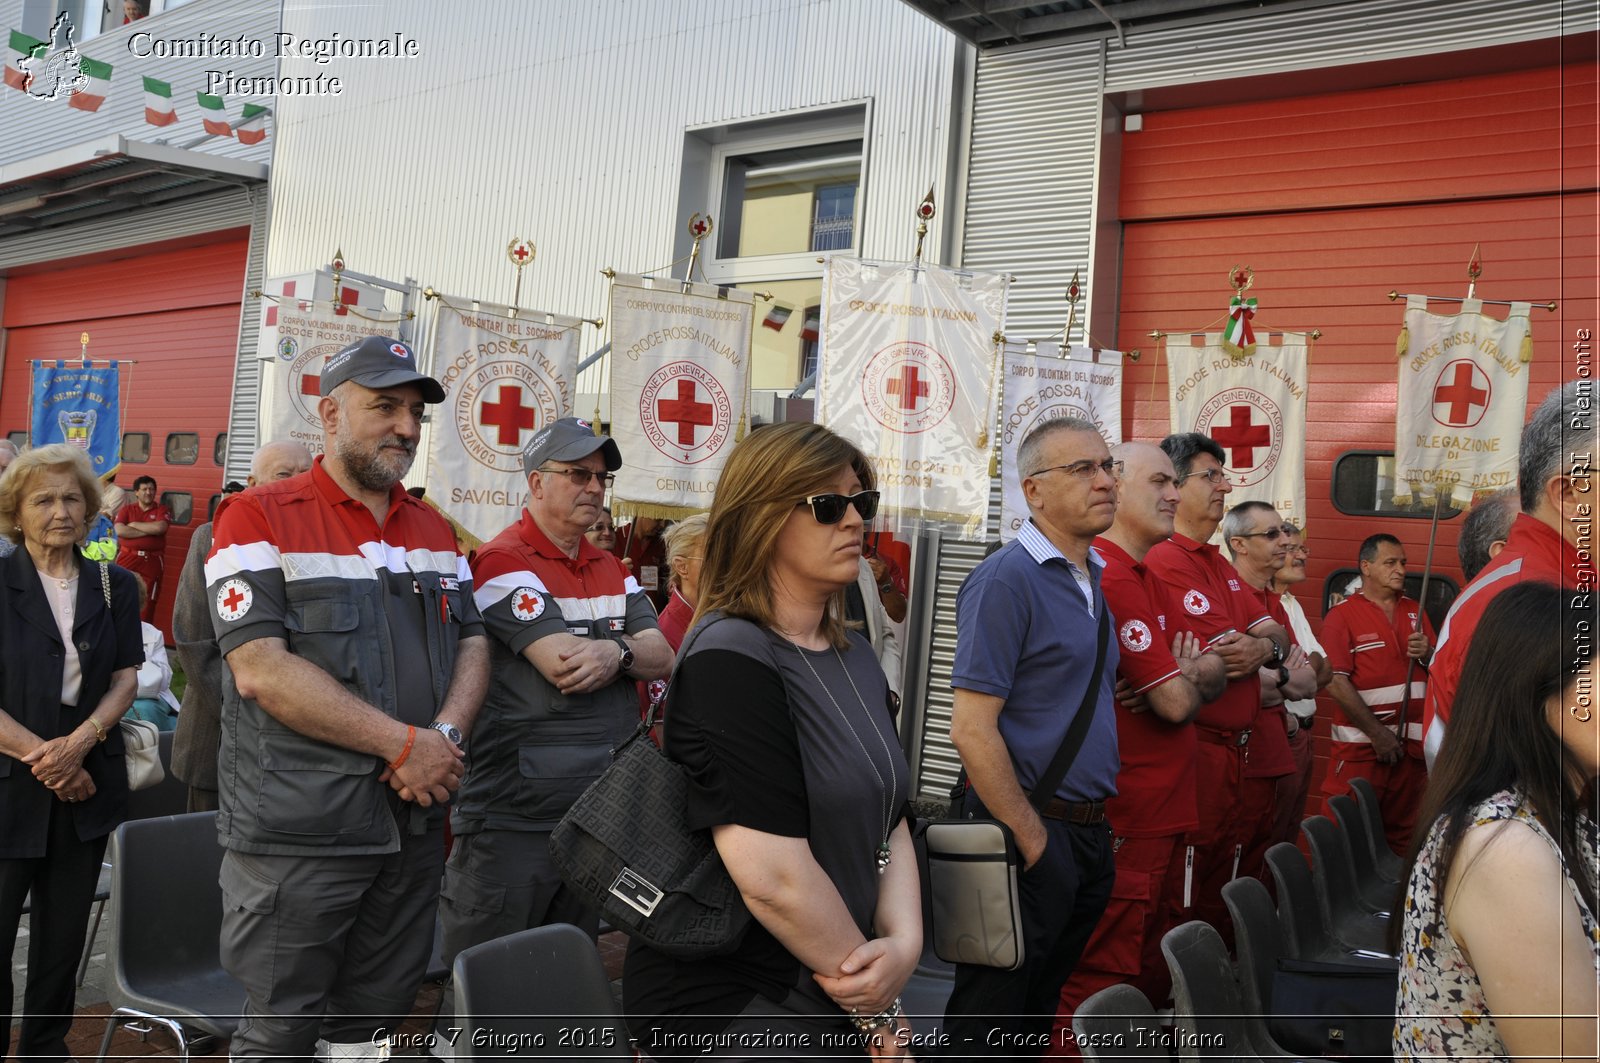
(373, 468)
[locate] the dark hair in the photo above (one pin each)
(151, 480)
(1184, 447)
(1488, 520)
(1369, 546)
(1529, 642)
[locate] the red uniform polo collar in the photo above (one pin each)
(1544, 549)
(335, 495)
(1195, 547)
(1113, 552)
(541, 544)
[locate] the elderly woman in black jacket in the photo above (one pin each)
(68, 664)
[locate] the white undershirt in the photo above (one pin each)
(63, 595)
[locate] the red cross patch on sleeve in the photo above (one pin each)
(527, 604)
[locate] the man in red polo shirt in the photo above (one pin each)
(1162, 679)
(571, 635)
(1259, 547)
(142, 539)
(1231, 622)
(1379, 657)
(1552, 540)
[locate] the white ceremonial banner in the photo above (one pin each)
(305, 334)
(1254, 406)
(1463, 396)
(1043, 386)
(505, 377)
(680, 385)
(907, 373)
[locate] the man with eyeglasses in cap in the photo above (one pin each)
(1231, 621)
(355, 659)
(571, 633)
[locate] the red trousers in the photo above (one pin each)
(150, 569)
(1293, 790)
(1399, 786)
(1219, 840)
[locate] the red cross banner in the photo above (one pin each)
(680, 386)
(505, 376)
(1042, 386)
(907, 372)
(1254, 406)
(300, 327)
(1463, 394)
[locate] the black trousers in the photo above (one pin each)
(1000, 1014)
(63, 883)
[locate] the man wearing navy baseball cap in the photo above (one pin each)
(356, 661)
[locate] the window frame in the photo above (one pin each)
(219, 450)
(122, 449)
(1447, 511)
(166, 449)
(166, 500)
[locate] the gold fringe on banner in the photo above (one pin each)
(1526, 351)
(621, 508)
(1402, 343)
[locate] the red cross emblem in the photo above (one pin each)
(1466, 394)
(520, 252)
(1196, 603)
(685, 411)
(908, 387)
(526, 604)
(509, 416)
(233, 599)
(1241, 435)
(1136, 635)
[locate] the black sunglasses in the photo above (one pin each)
(829, 508)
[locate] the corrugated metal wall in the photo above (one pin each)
(31, 127)
(565, 123)
(245, 411)
(1037, 149)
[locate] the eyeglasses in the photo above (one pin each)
(829, 508)
(1085, 470)
(1271, 535)
(580, 477)
(1210, 476)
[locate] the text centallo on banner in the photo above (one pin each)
(1041, 387)
(1255, 408)
(505, 377)
(907, 374)
(680, 384)
(1463, 395)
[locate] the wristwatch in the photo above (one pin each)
(449, 730)
(1283, 676)
(625, 662)
(1277, 653)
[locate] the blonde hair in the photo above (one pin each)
(767, 475)
(18, 480)
(680, 539)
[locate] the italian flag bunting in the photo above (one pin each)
(216, 118)
(93, 93)
(158, 108)
(252, 124)
(22, 47)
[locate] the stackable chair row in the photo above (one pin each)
(1309, 929)
(1333, 860)
(1119, 1023)
(1363, 855)
(1390, 864)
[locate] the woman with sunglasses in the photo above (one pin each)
(780, 714)
(1501, 949)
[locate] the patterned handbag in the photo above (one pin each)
(626, 845)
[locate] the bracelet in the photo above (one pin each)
(874, 1023)
(99, 732)
(411, 739)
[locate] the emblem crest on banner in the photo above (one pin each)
(685, 412)
(1461, 394)
(1249, 426)
(497, 406)
(77, 426)
(908, 387)
(304, 385)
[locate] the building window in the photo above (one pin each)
(183, 448)
(1363, 486)
(136, 447)
(219, 452)
(789, 200)
(833, 217)
(810, 336)
(181, 503)
(211, 507)
(18, 439)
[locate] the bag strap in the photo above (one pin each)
(650, 717)
(1062, 761)
(105, 582)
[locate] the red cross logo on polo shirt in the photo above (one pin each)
(1241, 435)
(1463, 394)
(508, 415)
(685, 411)
(233, 599)
(1196, 603)
(908, 386)
(1136, 635)
(526, 604)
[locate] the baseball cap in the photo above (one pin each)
(569, 439)
(378, 362)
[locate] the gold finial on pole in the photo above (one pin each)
(84, 339)
(521, 253)
(1474, 270)
(338, 271)
(1074, 293)
(925, 212)
(700, 226)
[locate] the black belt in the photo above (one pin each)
(1223, 738)
(1083, 813)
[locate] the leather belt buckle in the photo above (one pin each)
(1242, 738)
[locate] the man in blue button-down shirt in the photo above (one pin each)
(1026, 623)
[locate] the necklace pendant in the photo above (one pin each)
(883, 857)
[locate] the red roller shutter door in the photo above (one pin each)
(175, 311)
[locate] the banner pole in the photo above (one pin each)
(1422, 605)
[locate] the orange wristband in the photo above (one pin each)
(411, 739)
